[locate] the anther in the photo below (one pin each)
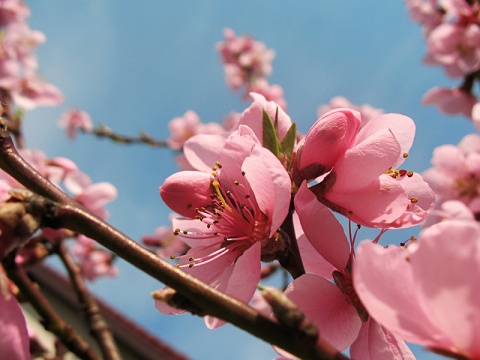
(414, 200)
(185, 232)
(410, 174)
(243, 173)
(190, 265)
(189, 206)
(214, 168)
(236, 183)
(247, 196)
(176, 231)
(218, 164)
(172, 257)
(191, 259)
(402, 172)
(405, 155)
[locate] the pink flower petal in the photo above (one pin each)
(270, 183)
(447, 270)
(402, 127)
(385, 283)
(329, 138)
(202, 151)
(374, 342)
(323, 302)
(366, 161)
(322, 228)
(380, 203)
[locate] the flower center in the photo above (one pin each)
(467, 187)
(233, 217)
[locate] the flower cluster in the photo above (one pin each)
(236, 204)
(94, 196)
(247, 63)
(452, 33)
(18, 64)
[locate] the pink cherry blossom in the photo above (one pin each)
(357, 172)
(14, 340)
(74, 120)
(333, 306)
(450, 101)
(230, 214)
(428, 292)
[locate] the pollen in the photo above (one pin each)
(405, 155)
(410, 174)
(219, 165)
(414, 200)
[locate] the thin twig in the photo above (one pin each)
(102, 131)
(98, 326)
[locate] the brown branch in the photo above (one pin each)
(73, 216)
(51, 320)
(98, 327)
(102, 131)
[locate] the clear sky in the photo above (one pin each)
(135, 65)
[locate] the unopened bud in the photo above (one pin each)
(173, 299)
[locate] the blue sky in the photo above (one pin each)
(134, 67)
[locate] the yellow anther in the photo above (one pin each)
(405, 155)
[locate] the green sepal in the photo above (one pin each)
(270, 136)
(288, 143)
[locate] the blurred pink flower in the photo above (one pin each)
(183, 128)
(450, 101)
(14, 339)
(33, 92)
(456, 47)
(270, 92)
(433, 299)
(367, 112)
(455, 172)
(73, 120)
(245, 59)
(165, 242)
(94, 261)
(230, 215)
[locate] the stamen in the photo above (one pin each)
(405, 155)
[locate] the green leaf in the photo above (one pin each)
(288, 143)
(270, 136)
